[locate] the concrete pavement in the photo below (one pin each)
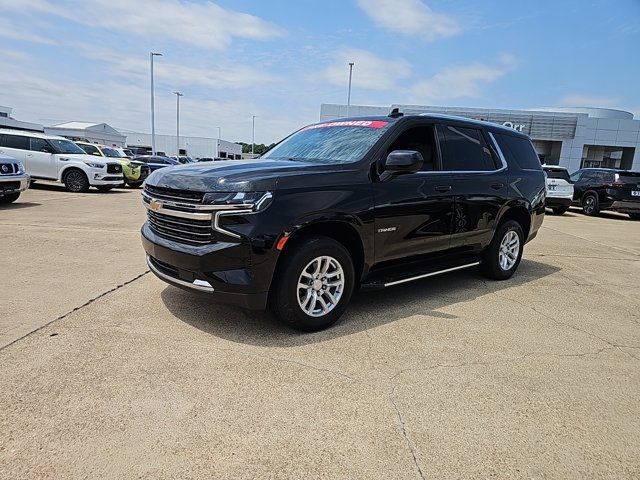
(451, 377)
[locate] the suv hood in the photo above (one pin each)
(88, 158)
(231, 175)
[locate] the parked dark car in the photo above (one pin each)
(363, 202)
(597, 189)
(156, 161)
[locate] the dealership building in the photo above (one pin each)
(573, 137)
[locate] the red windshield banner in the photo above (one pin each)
(350, 123)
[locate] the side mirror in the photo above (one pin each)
(401, 161)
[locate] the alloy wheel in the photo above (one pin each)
(509, 250)
(320, 286)
(74, 181)
(589, 205)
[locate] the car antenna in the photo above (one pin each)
(395, 113)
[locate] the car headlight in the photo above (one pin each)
(95, 165)
(21, 169)
(245, 200)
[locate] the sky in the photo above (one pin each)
(88, 60)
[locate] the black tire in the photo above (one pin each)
(560, 210)
(590, 204)
(76, 181)
(104, 188)
(284, 299)
(9, 198)
(634, 216)
(490, 265)
(135, 184)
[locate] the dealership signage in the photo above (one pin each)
(518, 127)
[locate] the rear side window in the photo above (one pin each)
(519, 151)
(15, 141)
(464, 149)
(39, 145)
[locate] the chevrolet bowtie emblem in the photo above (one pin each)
(155, 205)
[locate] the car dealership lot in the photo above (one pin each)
(455, 376)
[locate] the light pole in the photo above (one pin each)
(218, 142)
(253, 133)
(349, 93)
(153, 120)
(178, 95)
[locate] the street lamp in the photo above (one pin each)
(218, 141)
(253, 133)
(153, 120)
(178, 95)
(349, 93)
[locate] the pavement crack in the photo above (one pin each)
(75, 309)
(403, 429)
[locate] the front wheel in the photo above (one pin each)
(76, 181)
(590, 204)
(502, 257)
(9, 198)
(313, 285)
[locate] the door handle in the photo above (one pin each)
(497, 186)
(443, 188)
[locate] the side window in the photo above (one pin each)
(91, 150)
(420, 139)
(39, 145)
(464, 149)
(16, 141)
(518, 151)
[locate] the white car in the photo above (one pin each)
(57, 158)
(559, 189)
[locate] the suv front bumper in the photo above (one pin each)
(14, 183)
(221, 270)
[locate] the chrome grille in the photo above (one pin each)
(195, 232)
(173, 194)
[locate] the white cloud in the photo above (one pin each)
(18, 32)
(410, 17)
(577, 100)
(461, 81)
(369, 71)
(205, 25)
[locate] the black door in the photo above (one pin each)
(478, 180)
(412, 212)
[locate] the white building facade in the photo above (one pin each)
(196, 147)
(574, 138)
(101, 133)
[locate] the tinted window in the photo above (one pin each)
(91, 150)
(67, 146)
(518, 150)
(575, 176)
(560, 174)
(39, 145)
(330, 142)
(464, 149)
(140, 159)
(628, 177)
(420, 139)
(15, 141)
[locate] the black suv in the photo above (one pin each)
(597, 189)
(365, 203)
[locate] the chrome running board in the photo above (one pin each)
(430, 274)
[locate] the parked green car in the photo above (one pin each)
(134, 172)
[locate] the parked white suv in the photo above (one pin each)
(559, 189)
(57, 158)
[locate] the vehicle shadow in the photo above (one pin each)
(18, 205)
(605, 214)
(367, 310)
(58, 187)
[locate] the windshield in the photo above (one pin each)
(332, 142)
(110, 152)
(67, 146)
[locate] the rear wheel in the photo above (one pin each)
(502, 257)
(560, 210)
(590, 204)
(634, 216)
(314, 284)
(9, 198)
(76, 181)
